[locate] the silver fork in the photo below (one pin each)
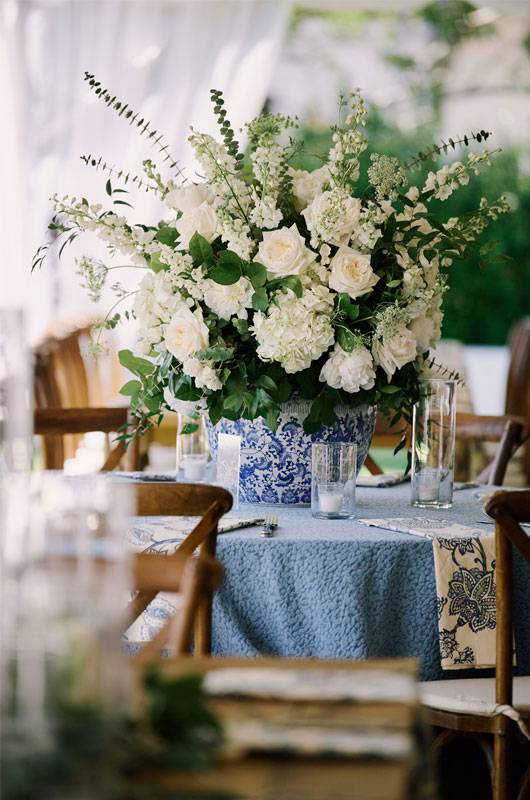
(270, 524)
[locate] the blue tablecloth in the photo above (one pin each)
(331, 588)
(339, 589)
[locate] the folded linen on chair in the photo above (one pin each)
(464, 561)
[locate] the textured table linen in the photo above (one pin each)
(337, 588)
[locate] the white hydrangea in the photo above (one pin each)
(307, 185)
(228, 301)
(349, 371)
(203, 373)
(295, 331)
(332, 217)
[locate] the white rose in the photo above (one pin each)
(349, 371)
(394, 352)
(306, 185)
(283, 252)
(204, 375)
(201, 219)
(351, 272)
(186, 333)
(426, 328)
(228, 301)
(185, 198)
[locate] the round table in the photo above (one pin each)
(340, 589)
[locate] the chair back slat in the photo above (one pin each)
(181, 499)
(195, 579)
(508, 509)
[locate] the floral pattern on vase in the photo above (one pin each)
(276, 466)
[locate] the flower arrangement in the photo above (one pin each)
(266, 282)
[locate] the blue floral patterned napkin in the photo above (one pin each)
(464, 561)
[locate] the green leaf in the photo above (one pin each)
(189, 427)
(352, 311)
(393, 284)
(215, 354)
(131, 388)
(267, 383)
(260, 301)
(108, 188)
(346, 339)
(290, 282)
(256, 273)
(233, 402)
(167, 235)
(226, 273)
(138, 366)
(229, 258)
(389, 389)
(200, 250)
(241, 326)
(155, 264)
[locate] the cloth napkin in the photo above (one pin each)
(464, 562)
(163, 535)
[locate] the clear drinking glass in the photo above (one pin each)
(333, 474)
(433, 445)
(192, 448)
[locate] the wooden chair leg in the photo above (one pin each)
(501, 749)
(203, 628)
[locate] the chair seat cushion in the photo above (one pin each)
(472, 695)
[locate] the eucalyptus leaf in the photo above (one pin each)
(260, 301)
(256, 273)
(346, 339)
(200, 250)
(167, 235)
(226, 273)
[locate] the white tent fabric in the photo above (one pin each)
(161, 57)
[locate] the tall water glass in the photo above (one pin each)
(192, 448)
(433, 445)
(333, 474)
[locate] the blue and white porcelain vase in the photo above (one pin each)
(276, 467)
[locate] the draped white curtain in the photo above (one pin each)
(161, 57)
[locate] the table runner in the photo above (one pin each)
(464, 559)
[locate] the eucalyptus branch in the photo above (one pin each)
(437, 149)
(446, 372)
(133, 118)
(101, 164)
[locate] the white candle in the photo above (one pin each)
(194, 468)
(428, 485)
(330, 502)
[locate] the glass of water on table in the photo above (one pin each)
(192, 448)
(433, 445)
(333, 474)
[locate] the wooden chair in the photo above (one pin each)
(518, 383)
(195, 579)
(53, 423)
(63, 382)
(182, 499)
(493, 706)
(509, 432)
(338, 717)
